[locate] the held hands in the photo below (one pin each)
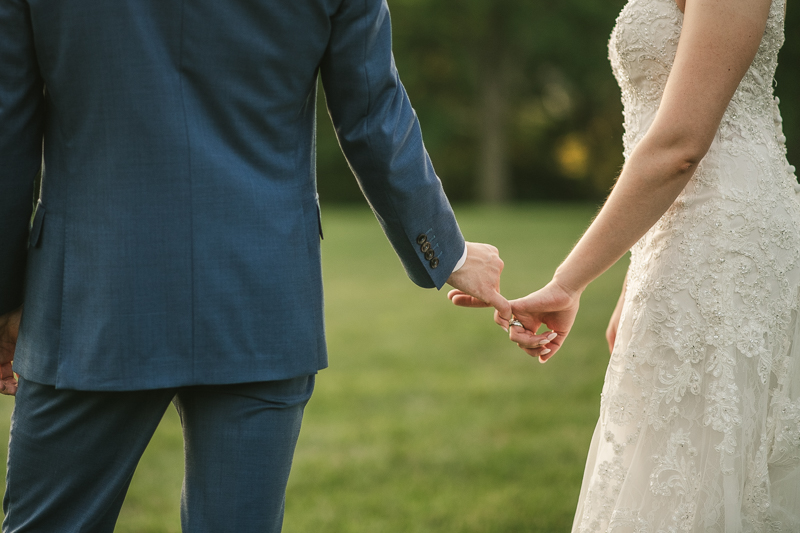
(555, 306)
(9, 329)
(477, 282)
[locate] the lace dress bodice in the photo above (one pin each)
(642, 49)
(699, 424)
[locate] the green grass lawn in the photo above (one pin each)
(428, 419)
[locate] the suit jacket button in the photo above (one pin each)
(434, 262)
(422, 239)
(425, 247)
(429, 255)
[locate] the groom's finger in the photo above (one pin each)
(501, 304)
(465, 300)
(454, 292)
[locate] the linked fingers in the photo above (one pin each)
(528, 340)
(502, 306)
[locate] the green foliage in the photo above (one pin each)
(563, 129)
(788, 83)
(428, 419)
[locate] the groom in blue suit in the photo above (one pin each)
(173, 251)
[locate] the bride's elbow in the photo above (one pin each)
(687, 163)
(681, 154)
(688, 157)
(678, 166)
(690, 152)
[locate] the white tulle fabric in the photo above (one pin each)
(699, 425)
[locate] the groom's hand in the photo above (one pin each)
(9, 330)
(477, 282)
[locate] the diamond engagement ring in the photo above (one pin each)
(515, 322)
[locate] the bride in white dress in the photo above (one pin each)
(699, 425)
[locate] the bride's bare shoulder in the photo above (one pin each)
(682, 5)
(764, 3)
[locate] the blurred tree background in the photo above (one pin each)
(517, 100)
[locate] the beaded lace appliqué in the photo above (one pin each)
(699, 425)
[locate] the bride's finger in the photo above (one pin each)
(528, 340)
(553, 346)
(542, 353)
(500, 321)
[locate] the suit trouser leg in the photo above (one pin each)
(239, 442)
(72, 454)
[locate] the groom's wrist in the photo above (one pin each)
(462, 260)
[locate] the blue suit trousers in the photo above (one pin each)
(72, 454)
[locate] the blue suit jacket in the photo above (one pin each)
(177, 241)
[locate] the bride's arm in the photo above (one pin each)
(718, 42)
(717, 45)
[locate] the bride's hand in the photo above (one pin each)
(554, 306)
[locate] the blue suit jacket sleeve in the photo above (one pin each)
(380, 135)
(21, 114)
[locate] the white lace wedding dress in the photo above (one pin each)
(699, 424)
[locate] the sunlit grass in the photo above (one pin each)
(428, 419)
